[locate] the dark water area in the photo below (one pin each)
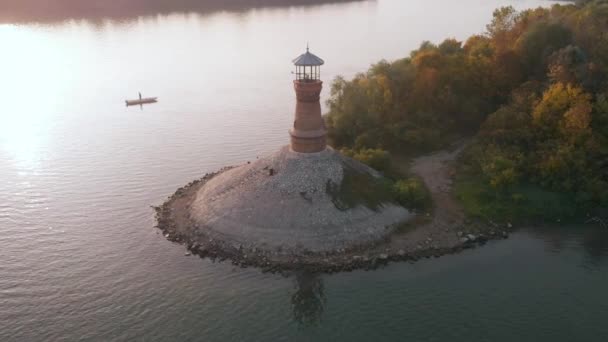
(80, 258)
(539, 285)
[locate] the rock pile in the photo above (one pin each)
(281, 203)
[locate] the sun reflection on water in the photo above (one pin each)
(34, 79)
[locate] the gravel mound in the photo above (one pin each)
(280, 203)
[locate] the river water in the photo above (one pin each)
(80, 259)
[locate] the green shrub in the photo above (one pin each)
(527, 202)
(375, 158)
(411, 193)
(360, 188)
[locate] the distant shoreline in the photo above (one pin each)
(31, 11)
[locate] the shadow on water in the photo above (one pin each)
(593, 239)
(595, 243)
(49, 11)
(308, 302)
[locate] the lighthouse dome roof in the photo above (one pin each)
(308, 59)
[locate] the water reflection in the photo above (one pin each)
(30, 86)
(557, 239)
(60, 10)
(308, 302)
(595, 242)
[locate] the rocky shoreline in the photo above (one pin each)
(440, 236)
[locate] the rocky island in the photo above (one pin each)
(308, 206)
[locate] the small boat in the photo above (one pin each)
(141, 101)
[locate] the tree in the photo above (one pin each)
(501, 27)
(539, 42)
(524, 88)
(500, 168)
(562, 105)
(569, 66)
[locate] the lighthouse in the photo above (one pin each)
(308, 134)
(287, 209)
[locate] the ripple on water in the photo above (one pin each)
(80, 259)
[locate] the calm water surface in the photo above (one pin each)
(80, 259)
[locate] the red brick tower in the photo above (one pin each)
(308, 134)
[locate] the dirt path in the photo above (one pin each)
(447, 218)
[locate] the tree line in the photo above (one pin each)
(531, 90)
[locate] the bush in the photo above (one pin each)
(500, 172)
(411, 193)
(360, 188)
(373, 157)
(527, 202)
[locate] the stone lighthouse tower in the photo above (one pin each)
(308, 134)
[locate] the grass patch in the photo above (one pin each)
(524, 202)
(360, 188)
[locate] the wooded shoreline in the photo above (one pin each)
(531, 93)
